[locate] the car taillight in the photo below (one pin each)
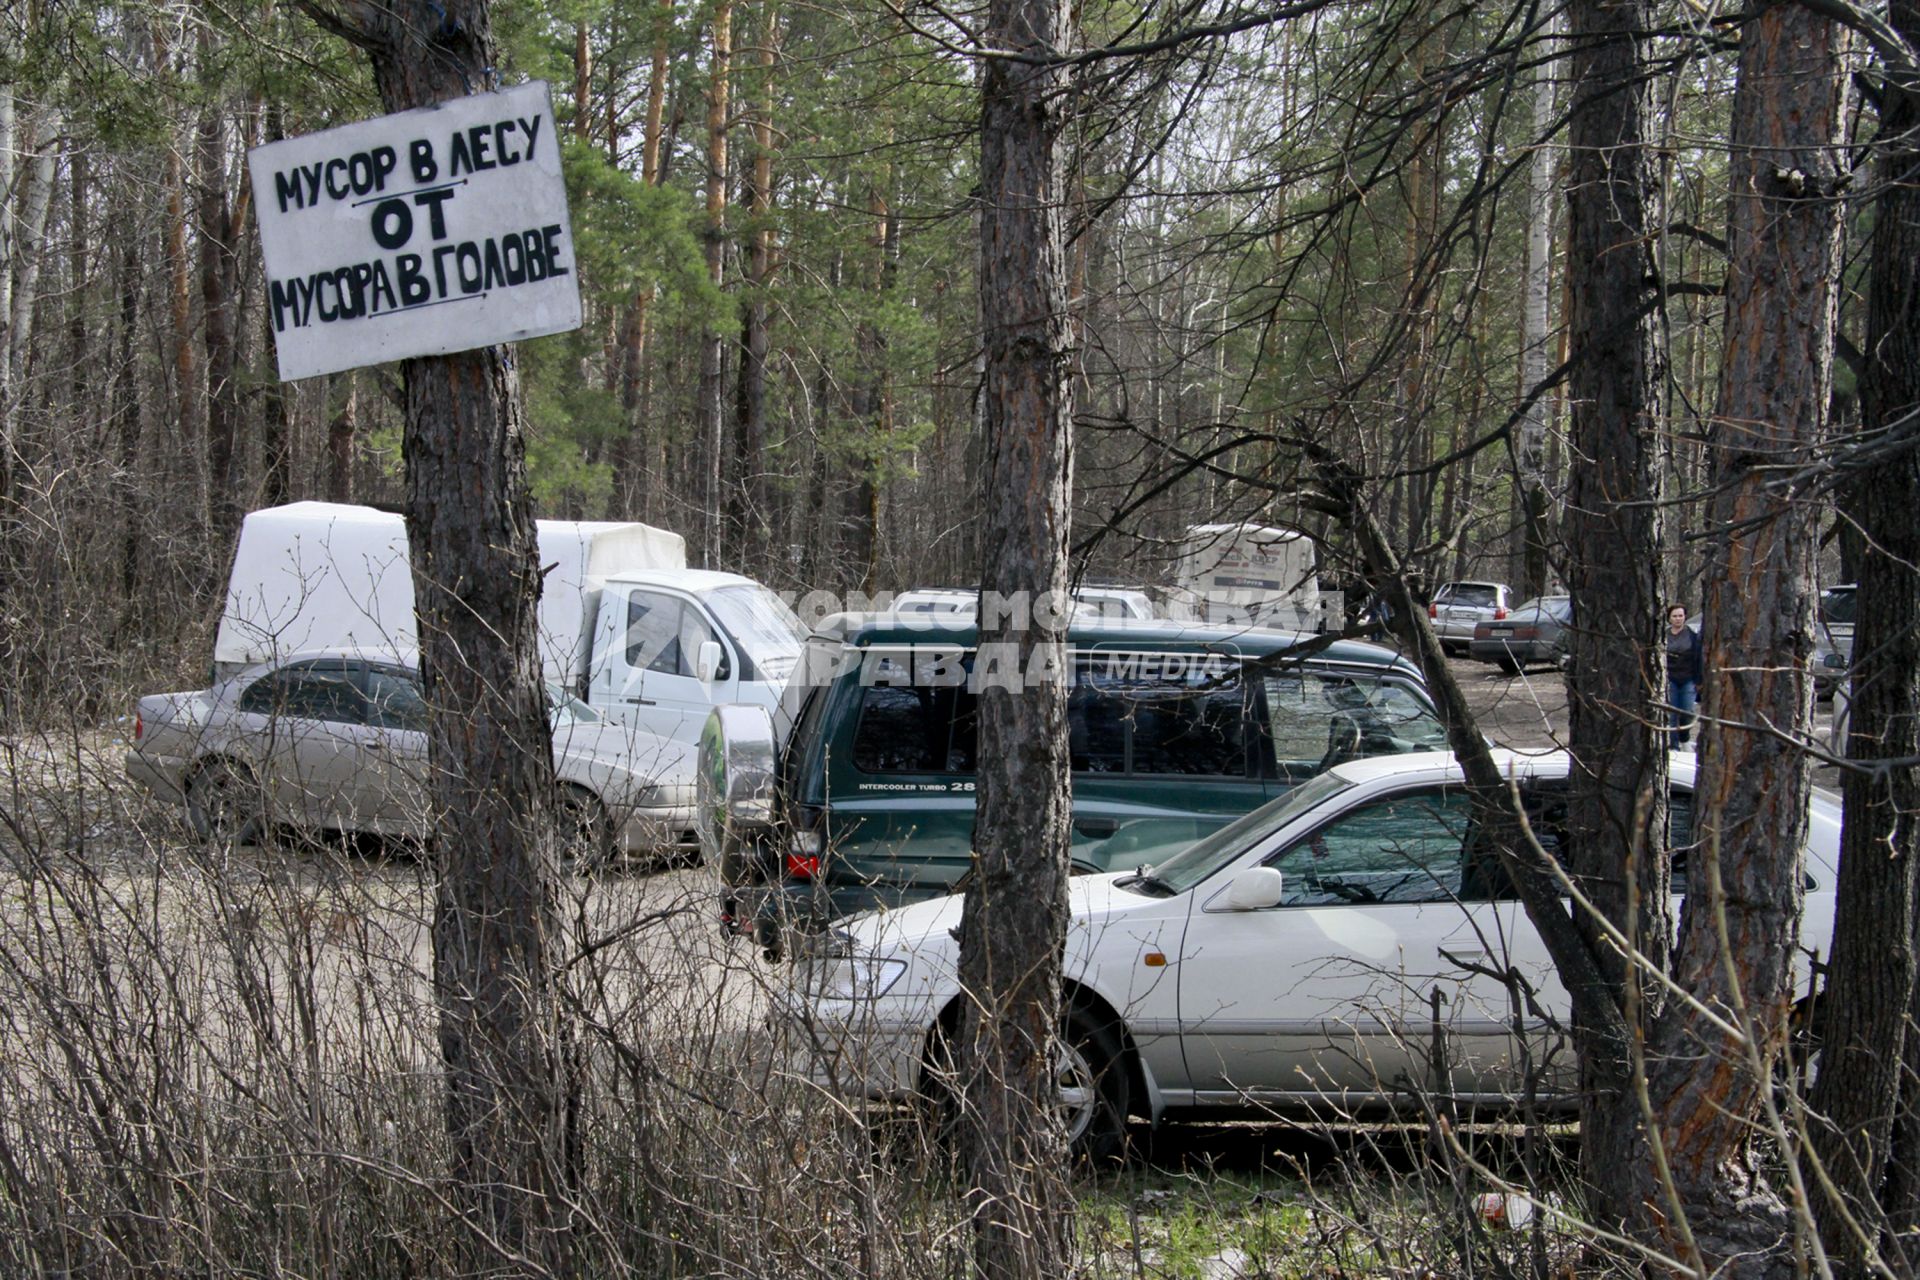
(806, 844)
(1498, 613)
(1433, 611)
(1526, 633)
(139, 726)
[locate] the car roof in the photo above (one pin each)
(685, 579)
(865, 630)
(1440, 766)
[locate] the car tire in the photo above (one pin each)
(1095, 1088)
(1092, 1082)
(586, 829)
(1508, 665)
(224, 804)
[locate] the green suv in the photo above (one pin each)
(859, 791)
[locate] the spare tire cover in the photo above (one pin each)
(736, 777)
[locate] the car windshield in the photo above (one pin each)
(1836, 606)
(1556, 607)
(568, 709)
(760, 623)
(1204, 857)
(1471, 594)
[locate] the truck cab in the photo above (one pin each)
(670, 645)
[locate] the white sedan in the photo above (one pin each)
(1294, 961)
(336, 740)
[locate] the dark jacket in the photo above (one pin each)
(1686, 655)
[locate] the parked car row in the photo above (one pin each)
(1285, 964)
(335, 740)
(859, 791)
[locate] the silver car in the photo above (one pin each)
(335, 740)
(1459, 607)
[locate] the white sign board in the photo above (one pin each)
(417, 234)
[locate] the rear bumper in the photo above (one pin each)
(647, 830)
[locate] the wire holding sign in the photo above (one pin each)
(369, 229)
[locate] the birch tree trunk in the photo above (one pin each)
(1013, 926)
(1530, 464)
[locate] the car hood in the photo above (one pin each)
(934, 925)
(607, 747)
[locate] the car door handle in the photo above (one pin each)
(639, 702)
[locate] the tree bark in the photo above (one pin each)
(1013, 927)
(504, 1040)
(1616, 823)
(1873, 979)
(634, 456)
(711, 408)
(218, 277)
(23, 258)
(752, 516)
(1735, 952)
(1530, 464)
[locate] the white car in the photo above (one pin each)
(1287, 963)
(335, 740)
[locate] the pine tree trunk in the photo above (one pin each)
(1869, 1056)
(711, 407)
(1618, 804)
(1013, 927)
(504, 1040)
(1735, 952)
(634, 455)
(752, 514)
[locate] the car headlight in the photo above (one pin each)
(834, 971)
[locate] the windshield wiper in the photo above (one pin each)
(1148, 883)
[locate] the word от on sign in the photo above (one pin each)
(417, 234)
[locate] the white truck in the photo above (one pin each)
(624, 624)
(1253, 575)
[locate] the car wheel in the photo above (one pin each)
(1508, 664)
(224, 804)
(1093, 1087)
(586, 829)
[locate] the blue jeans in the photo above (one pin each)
(1683, 696)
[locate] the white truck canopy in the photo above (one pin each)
(1249, 573)
(314, 575)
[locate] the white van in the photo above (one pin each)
(623, 622)
(1249, 574)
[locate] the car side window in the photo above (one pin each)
(664, 634)
(1403, 849)
(306, 693)
(1192, 731)
(394, 700)
(1319, 719)
(653, 633)
(901, 730)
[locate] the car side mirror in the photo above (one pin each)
(707, 665)
(1254, 889)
